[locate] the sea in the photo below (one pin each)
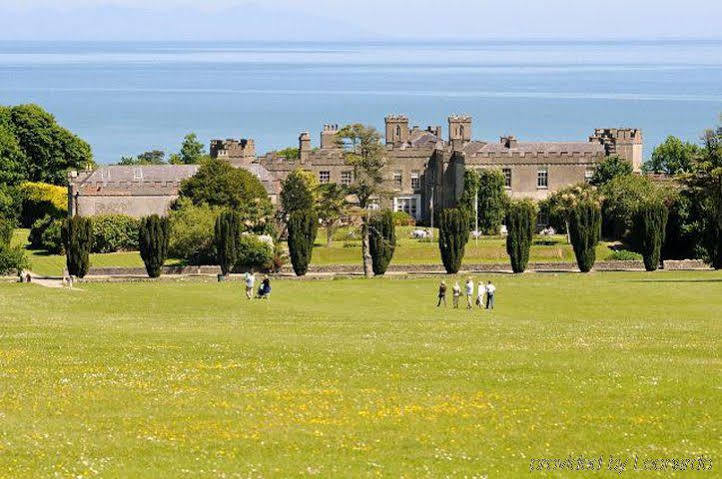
(127, 98)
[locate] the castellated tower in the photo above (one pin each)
(459, 130)
(236, 152)
(397, 129)
(328, 137)
(626, 143)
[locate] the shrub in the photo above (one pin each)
(453, 236)
(12, 260)
(492, 201)
(112, 233)
(648, 229)
(609, 169)
(521, 224)
(191, 233)
(254, 254)
(35, 238)
(6, 231)
(585, 225)
(41, 199)
(153, 237)
(302, 229)
(402, 218)
(10, 202)
(227, 232)
(51, 239)
(77, 234)
(382, 241)
(623, 255)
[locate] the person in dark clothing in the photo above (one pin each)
(442, 294)
(264, 292)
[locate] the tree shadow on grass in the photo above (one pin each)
(719, 280)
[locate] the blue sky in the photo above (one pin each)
(364, 19)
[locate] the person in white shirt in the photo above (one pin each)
(469, 293)
(490, 291)
(480, 295)
(250, 280)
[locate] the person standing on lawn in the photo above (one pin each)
(442, 294)
(250, 280)
(490, 291)
(469, 293)
(456, 291)
(480, 295)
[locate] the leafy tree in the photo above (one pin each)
(331, 207)
(40, 199)
(12, 158)
(48, 149)
(297, 191)
(584, 230)
(302, 229)
(492, 200)
(153, 157)
(365, 153)
(289, 153)
(673, 157)
(77, 235)
(453, 236)
(622, 197)
(7, 226)
(609, 169)
(521, 219)
(227, 234)
(382, 242)
(192, 151)
(191, 237)
(468, 197)
(683, 236)
(558, 207)
(12, 259)
(649, 226)
(153, 238)
(10, 202)
(705, 185)
(218, 184)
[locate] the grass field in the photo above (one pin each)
(359, 378)
(409, 251)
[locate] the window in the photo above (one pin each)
(324, 176)
(398, 132)
(415, 181)
(542, 178)
(408, 204)
(507, 177)
(346, 178)
(588, 174)
(398, 179)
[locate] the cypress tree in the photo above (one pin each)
(585, 226)
(153, 237)
(77, 236)
(453, 236)
(520, 222)
(649, 224)
(302, 229)
(225, 239)
(382, 241)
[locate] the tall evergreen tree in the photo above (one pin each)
(153, 237)
(585, 227)
(453, 236)
(648, 229)
(520, 222)
(382, 241)
(302, 229)
(226, 235)
(77, 236)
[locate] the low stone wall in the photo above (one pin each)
(355, 269)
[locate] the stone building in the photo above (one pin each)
(424, 170)
(139, 190)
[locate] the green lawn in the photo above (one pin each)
(408, 251)
(357, 378)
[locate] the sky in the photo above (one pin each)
(364, 19)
